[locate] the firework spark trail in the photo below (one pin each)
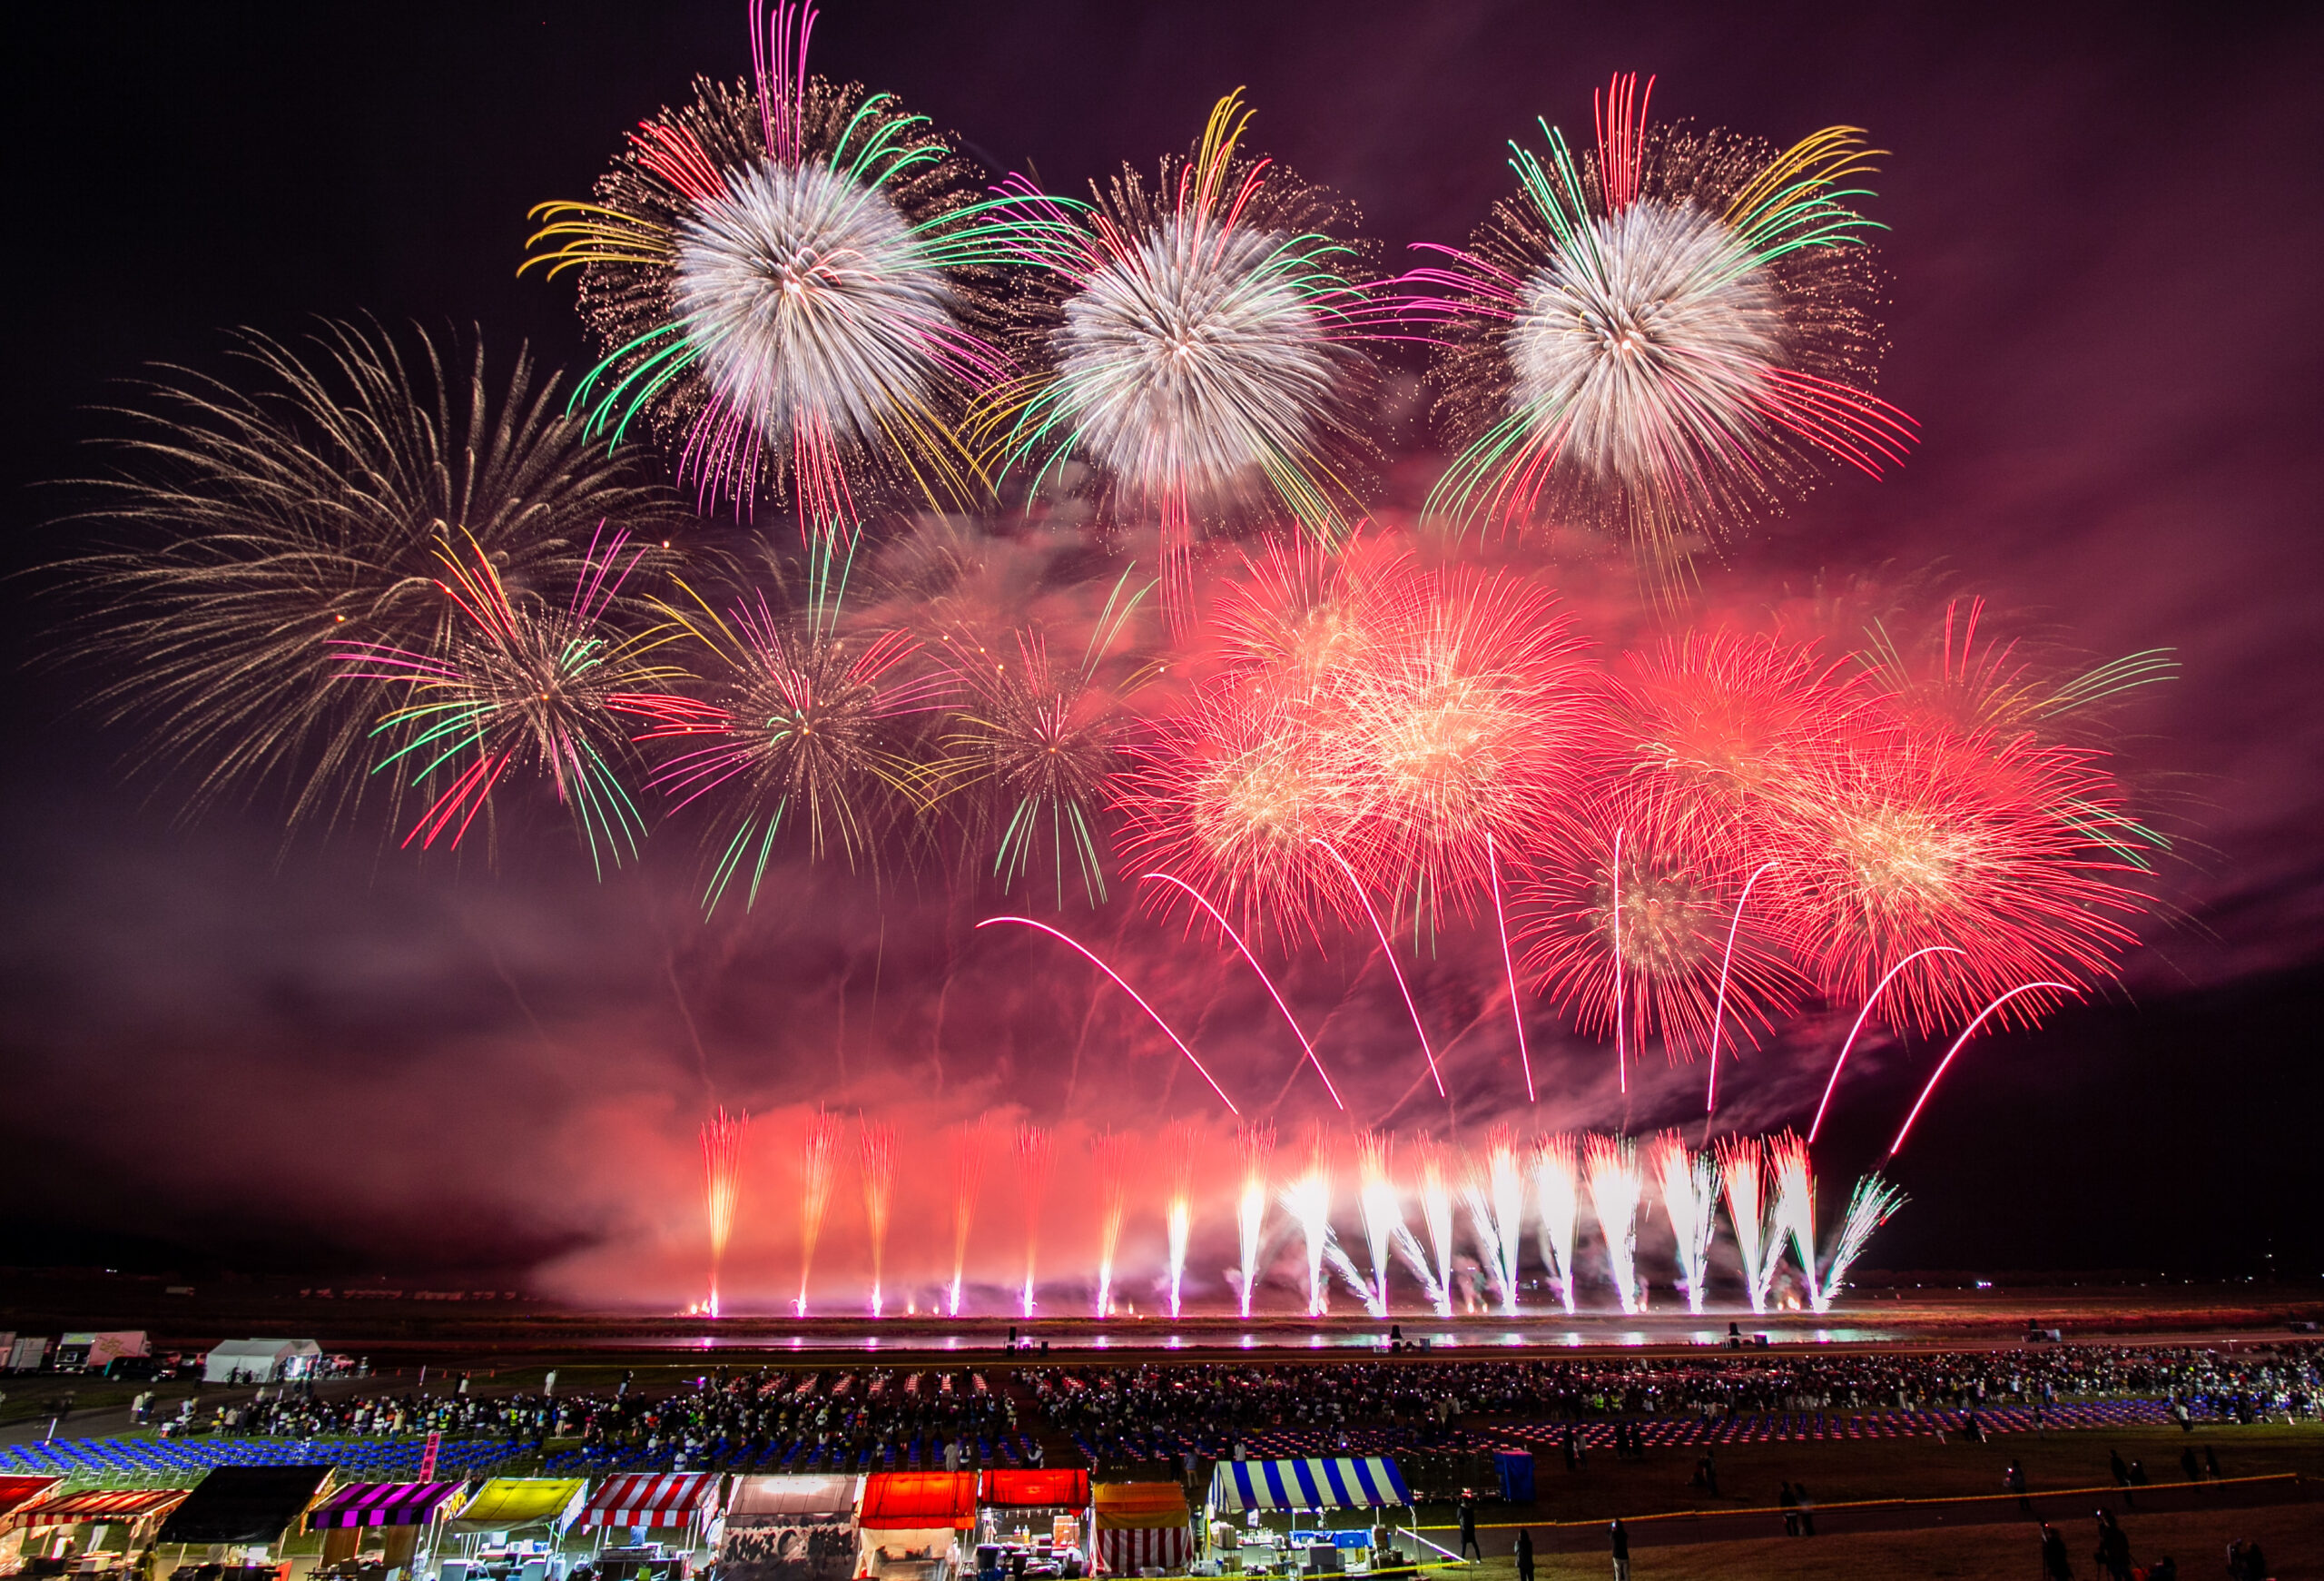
(721, 1168)
(1414, 1258)
(1308, 1201)
(1967, 1033)
(1109, 1151)
(1861, 1016)
(1436, 1212)
(1869, 1207)
(879, 1152)
(1689, 1189)
(818, 1161)
(1557, 1196)
(969, 1144)
(1152, 1013)
(1476, 1200)
(1614, 882)
(1388, 952)
(1742, 1170)
(1181, 1145)
(1289, 1020)
(1383, 1215)
(1506, 1181)
(1795, 1210)
(1718, 1009)
(1617, 1189)
(1033, 1157)
(1509, 969)
(1336, 1258)
(1257, 1142)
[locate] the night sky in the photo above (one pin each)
(2102, 301)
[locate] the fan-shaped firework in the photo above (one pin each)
(1664, 335)
(1037, 746)
(801, 718)
(517, 686)
(258, 527)
(1630, 920)
(792, 283)
(1200, 346)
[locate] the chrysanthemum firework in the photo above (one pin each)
(1913, 835)
(1662, 337)
(793, 282)
(522, 686)
(792, 718)
(1032, 749)
(257, 525)
(1715, 723)
(1630, 920)
(1200, 345)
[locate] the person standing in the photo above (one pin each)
(1524, 1555)
(1467, 1512)
(1789, 1502)
(2055, 1565)
(1806, 1511)
(1621, 1540)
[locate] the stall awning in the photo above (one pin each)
(1138, 1506)
(245, 1504)
(1371, 1482)
(384, 1504)
(511, 1504)
(96, 1504)
(642, 1499)
(908, 1500)
(23, 1490)
(783, 1500)
(1036, 1489)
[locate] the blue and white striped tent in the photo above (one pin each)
(1370, 1482)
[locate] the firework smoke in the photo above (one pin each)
(722, 1136)
(1557, 1196)
(818, 1160)
(877, 1141)
(1617, 1190)
(969, 1145)
(1033, 1158)
(1869, 1207)
(1689, 1181)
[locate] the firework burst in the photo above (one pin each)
(1689, 1182)
(793, 718)
(1870, 1206)
(1200, 346)
(1665, 335)
(517, 687)
(259, 528)
(1742, 1170)
(793, 283)
(1794, 1207)
(1617, 1191)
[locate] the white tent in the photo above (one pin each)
(261, 1361)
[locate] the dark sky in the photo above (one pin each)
(2103, 303)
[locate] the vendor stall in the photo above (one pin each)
(789, 1528)
(16, 1493)
(102, 1528)
(910, 1526)
(666, 1518)
(1282, 1505)
(1039, 1513)
(1142, 1527)
(512, 1523)
(241, 1516)
(378, 1531)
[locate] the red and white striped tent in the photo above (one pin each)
(653, 1501)
(130, 1505)
(1142, 1526)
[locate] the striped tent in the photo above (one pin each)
(384, 1504)
(1142, 1526)
(646, 1498)
(97, 1504)
(18, 1491)
(1369, 1482)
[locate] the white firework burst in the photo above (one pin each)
(1189, 362)
(808, 293)
(1646, 346)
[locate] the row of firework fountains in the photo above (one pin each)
(1765, 1185)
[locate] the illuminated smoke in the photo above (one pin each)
(1109, 1153)
(1308, 1201)
(1251, 1208)
(1689, 1181)
(1180, 1142)
(879, 1144)
(1616, 1187)
(818, 1159)
(1557, 1199)
(1384, 1218)
(721, 1164)
(1436, 1212)
(969, 1145)
(1033, 1156)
